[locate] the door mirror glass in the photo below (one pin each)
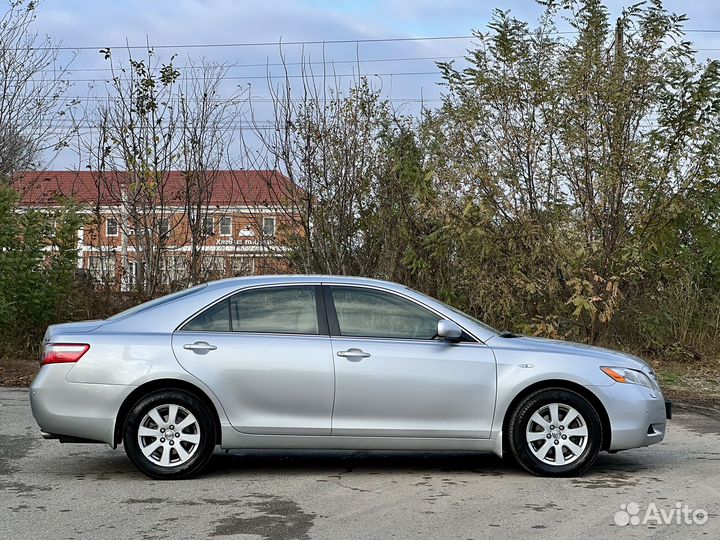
(448, 330)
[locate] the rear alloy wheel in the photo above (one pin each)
(169, 435)
(555, 432)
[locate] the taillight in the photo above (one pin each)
(58, 353)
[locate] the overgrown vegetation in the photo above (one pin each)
(567, 187)
(585, 178)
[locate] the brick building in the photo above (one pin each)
(225, 223)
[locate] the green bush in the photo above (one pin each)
(38, 261)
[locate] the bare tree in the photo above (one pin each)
(209, 122)
(32, 85)
(327, 138)
(154, 125)
(132, 155)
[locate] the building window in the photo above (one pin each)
(268, 226)
(102, 268)
(164, 226)
(226, 226)
(243, 266)
(176, 268)
(208, 225)
(213, 266)
(133, 276)
(111, 227)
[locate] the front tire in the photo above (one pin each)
(555, 432)
(169, 434)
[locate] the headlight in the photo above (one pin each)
(628, 376)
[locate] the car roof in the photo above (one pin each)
(304, 278)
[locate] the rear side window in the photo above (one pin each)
(280, 310)
(284, 310)
(370, 313)
(213, 319)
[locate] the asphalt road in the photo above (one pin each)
(50, 490)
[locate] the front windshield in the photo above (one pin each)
(157, 302)
(462, 313)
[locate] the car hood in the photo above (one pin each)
(590, 352)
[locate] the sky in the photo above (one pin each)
(405, 71)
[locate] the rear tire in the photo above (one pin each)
(169, 435)
(555, 432)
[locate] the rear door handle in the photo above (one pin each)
(199, 347)
(353, 354)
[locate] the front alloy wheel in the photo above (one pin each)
(169, 434)
(555, 432)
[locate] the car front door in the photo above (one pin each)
(394, 378)
(266, 354)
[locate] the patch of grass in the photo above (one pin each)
(668, 377)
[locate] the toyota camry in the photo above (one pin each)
(334, 363)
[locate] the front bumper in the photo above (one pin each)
(637, 415)
(68, 411)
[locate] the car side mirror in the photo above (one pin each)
(448, 330)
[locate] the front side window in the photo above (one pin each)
(279, 310)
(370, 313)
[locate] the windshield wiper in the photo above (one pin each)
(506, 334)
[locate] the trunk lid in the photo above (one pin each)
(80, 327)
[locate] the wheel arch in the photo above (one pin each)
(163, 384)
(564, 385)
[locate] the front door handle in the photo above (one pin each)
(353, 354)
(199, 347)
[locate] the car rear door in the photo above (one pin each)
(394, 379)
(266, 353)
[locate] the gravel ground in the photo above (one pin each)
(92, 491)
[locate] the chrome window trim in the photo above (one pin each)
(257, 334)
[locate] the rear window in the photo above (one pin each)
(157, 302)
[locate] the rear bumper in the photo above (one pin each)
(74, 411)
(637, 415)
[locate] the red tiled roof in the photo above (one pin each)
(216, 188)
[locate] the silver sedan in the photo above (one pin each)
(335, 363)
